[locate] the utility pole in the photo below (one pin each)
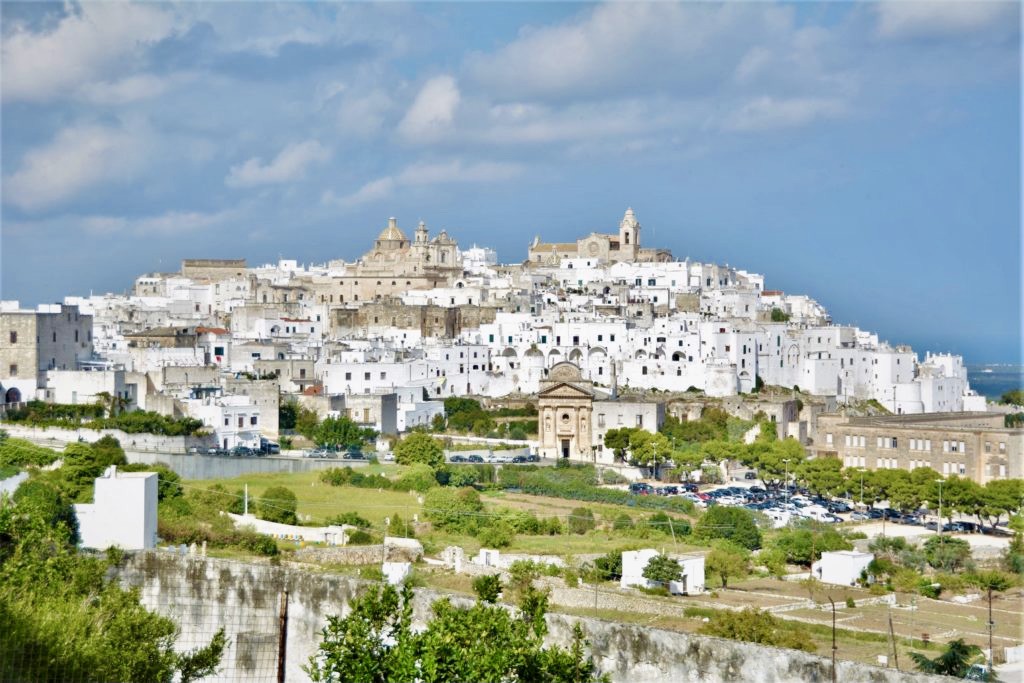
(833, 638)
(990, 625)
(282, 635)
(245, 509)
(938, 526)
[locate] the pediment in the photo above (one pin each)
(565, 390)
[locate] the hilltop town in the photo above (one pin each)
(386, 338)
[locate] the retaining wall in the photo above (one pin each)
(203, 593)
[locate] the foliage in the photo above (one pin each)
(823, 475)
(58, 605)
(418, 477)
(342, 432)
(376, 643)
(168, 482)
(82, 464)
(756, 626)
(731, 523)
(346, 476)
(487, 587)
(609, 567)
(1014, 397)
(24, 453)
(954, 661)
(947, 553)
(499, 534)
(662, 569)
(779, 315)
(196, 518)
(581, 520)
(306, 421)
(650, 450)
(727, 560)
(579, 482)
(45, 502)
(805, 543)
(351, 518)
(287, 411)
(456, 510)
(623, 522)
(618, 440)
(419, 448)
(663, 524)
(278, 504)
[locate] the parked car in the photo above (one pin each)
(533, 457)
(519, 458)
(750, 475)
(859, 516)
(475, 458)
(458, 458)
(241, 451)
(641, 489)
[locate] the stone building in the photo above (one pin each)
(573, 417)
(973, 445)
(213, 269)
(51, 337)
(625, 246)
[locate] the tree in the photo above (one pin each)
(342, 432)
(581, 520)
(487, 587)
(731, 523)
(618, 441)
(1014, 397)
(306, 421)
(63, 619)
(947, 553)
(805, 544)
(650, 450)
(662, 569)
(454, 509)
(46, 503)
(727, 560)
(609, 567)
(419, 477)
(278, 504)
(1003, 497)
(438, 423)
(774, 460)
(376, 643)
(779, 315)
(419, 447)
(287, 412)
(823, 475)
(954, 661)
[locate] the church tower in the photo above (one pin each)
(629, 234)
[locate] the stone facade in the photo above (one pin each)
(565, 411)
(52, 337)
(972, 445)
(212, 269)
(625, 246)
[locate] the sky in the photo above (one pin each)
(867, 155)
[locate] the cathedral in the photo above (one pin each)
(625, 246)
(394, 254)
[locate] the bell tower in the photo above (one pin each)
(629, 234)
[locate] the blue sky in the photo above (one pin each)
(867, 155)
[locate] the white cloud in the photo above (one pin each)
(91, 38)
(169, 223)
(125, 90)
(433, 109)
(289, 165)
(79, 157)
(769, 113)
(932, 18)
(422, 174)
(364, 115)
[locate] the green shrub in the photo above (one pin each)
(731, 523)
(418, 477)
(623, 522)
(488, 587)
(24, 453)
(360, 537)
(351, 518)
(278, 504)
(497, 535)
(454, 509)
(581, 520)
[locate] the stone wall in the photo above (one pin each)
(58, 438)
(203, 594)
(226, 467)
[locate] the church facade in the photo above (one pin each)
(621, 247)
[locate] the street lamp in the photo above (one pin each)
(786, 481)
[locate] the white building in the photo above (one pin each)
(841, 567)
(635, 561)
(123, 511)
(234, 419)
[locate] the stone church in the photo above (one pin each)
(625, 246)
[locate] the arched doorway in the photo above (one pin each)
(13, 395)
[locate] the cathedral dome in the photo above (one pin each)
(391, 232)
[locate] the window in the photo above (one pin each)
(600, 337)
(600, 419)
(253, 420)
(241, 421)
(644, 370)
(218, 350)
(988, 446)
(1002, 447)
(383, 375)
(14, 337)
(227, 421)
(302, 373)
(543, 339)
(611, 337)
(13, 370)
(828, 439)
(54, 336)
(639, 420)
(490, 337)
(348, 375)
(366, 376)
(575, 340)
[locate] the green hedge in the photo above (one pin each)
(21, 453)
(579, 482)
(90, 416)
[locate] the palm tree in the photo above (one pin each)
(954, 661)
(113, 404)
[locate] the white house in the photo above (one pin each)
(123, 511)
(841, 567)
(634, 562)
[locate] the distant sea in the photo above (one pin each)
(992, 381)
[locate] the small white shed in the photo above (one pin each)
(841, 567)
(634, 562)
